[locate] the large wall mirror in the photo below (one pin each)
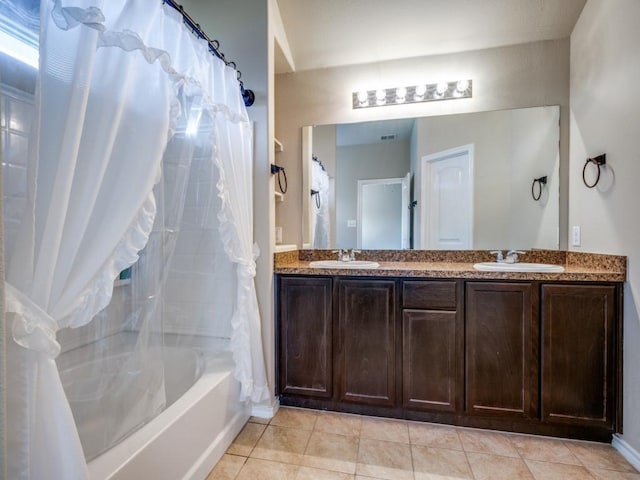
(483, 180)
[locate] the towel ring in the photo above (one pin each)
(277, 170)
(598, 162)
(541, 182)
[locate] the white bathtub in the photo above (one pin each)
(186, 439)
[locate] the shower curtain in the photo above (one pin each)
(116, 81)
(321, 221)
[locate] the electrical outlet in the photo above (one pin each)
(575, 236)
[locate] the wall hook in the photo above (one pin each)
(541, 182)
(316, 193)
(598, 161)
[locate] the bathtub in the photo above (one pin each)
(186, 439)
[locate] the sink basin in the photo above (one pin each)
(518, 267)
(339, 264)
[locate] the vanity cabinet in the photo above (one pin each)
(367, 342)
(306, 336)
(501, 349)
(579, 347)
(361, 323)
(525, 356)
(432, 346)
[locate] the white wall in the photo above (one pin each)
(605, 117)
(533, 74)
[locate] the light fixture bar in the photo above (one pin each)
(413, 94)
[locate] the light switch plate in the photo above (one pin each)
(575, 236)
(351, 224)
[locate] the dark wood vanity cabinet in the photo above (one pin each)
(501, 349)
(579, 346)
(525, 356)
(367, 342)
(305, 318)
(432, 346)
(344, 350)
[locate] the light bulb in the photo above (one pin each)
(363, 96)
(421, 90)
(381, 96)
(401, 94)
(462, 85)
(441, 88)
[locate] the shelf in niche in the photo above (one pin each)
(277, 145)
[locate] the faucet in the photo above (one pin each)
(344, 255)
(512, 256)
(498, 254)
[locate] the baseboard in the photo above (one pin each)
(627, 451)
(262, 410)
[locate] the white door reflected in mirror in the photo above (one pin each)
(383, 213)
(447, 201)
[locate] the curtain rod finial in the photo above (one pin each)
(248, 96)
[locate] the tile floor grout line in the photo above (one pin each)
(567, 443)
(240, 469)
(473, 475)
(258, 440)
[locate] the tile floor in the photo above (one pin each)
(300, 444)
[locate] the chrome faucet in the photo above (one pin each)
(498, 254)
(344, 255)
(512, 256)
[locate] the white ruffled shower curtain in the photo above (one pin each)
(321, 221)
(107, 99)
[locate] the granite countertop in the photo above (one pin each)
(579, 267)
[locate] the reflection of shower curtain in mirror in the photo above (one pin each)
(321, 224)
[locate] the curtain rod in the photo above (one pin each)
(214, 47)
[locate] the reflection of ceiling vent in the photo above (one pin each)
(388, 137)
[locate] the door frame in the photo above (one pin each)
(425, 189)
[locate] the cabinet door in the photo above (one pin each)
(578, 354)
(367, 342)
(305, 324)
(501, 334)
(432, 360)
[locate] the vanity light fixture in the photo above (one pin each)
(413, 94)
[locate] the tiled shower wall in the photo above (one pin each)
(16, 114)
(195, 301)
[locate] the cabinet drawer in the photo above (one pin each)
(432, 295)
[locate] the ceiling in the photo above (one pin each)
(364, 133)
(332, 33)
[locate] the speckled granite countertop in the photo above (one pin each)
(579, 267)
